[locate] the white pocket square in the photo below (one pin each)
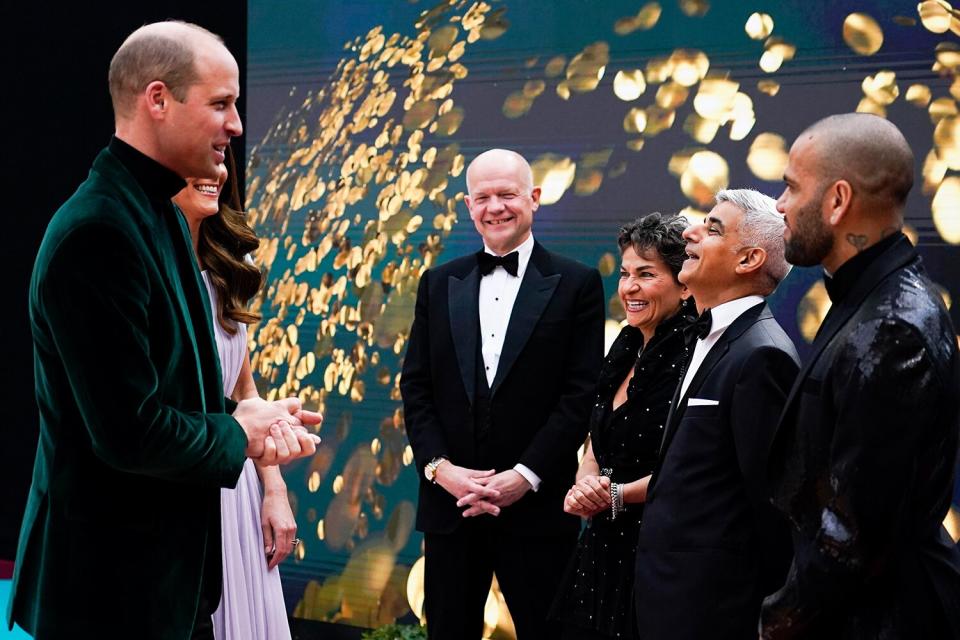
(701, 402)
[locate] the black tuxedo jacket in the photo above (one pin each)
(863, 465)
(710, 545)
(540, 399)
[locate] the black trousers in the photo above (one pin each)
(459, 568)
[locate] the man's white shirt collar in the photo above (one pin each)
(724, 314)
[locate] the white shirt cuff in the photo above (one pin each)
(528, 475)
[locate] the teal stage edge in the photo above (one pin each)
(17, 633)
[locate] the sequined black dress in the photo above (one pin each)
(596, 593)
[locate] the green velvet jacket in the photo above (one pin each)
(123, 515)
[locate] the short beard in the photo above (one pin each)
(811, 240)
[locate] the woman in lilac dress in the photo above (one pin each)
(258, 525)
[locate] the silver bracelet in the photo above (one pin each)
(616, 500)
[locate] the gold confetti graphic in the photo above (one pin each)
(862, 34)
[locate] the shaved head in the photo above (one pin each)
(867, 151)
(164, 51)
(501, 160)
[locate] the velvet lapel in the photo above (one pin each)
(896, 257)
(747, 319)
(158, 238)
(532, 298)
(464, 308)
(201, 315)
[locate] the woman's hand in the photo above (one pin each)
(279, 527)
(588, 496)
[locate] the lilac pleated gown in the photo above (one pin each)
(251, 607)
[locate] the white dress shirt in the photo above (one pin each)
(498, 292)
(722, 316)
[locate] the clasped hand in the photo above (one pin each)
(588, 496)
(481, 491)
(276, 431)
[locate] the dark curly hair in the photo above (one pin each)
(224, 242)
(657, 231)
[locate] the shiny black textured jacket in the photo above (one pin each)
(863, 464)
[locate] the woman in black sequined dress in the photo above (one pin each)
(637, 382)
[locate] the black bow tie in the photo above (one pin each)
(488, 262)
(698, 329)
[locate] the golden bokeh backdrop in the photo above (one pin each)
(356, 183)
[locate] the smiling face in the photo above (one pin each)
(201, 197)
(501, 201)
(194, 134)
(809, 239)
(648, 291)
(714, 250)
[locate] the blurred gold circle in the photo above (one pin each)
(555, 66)
(607, 264)
(706, 173)
(629, 85)
(812, 310)
(767, 157)
(948, 57)
(701, 129)
(715, 98)
(658, 119)
(648, 15)
(918, 95)
(862, 34)
(415, 588)
(533, 88)
(946, 136)
(759, 26)
(881, 88)
(770, 61)
(442, 39)
(671, 95)
(516, 104)
(935, 15)
(769, 87)
(554, 175)
(635, 121)
(694, 8)
(586, 68)
(946, 209)
(941, 108)
(689, 66)
(866, 105)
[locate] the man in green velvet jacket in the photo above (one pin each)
(121, 536)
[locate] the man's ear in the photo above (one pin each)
(535, 196)
(751, 259)
(157, 98)
(837, 200)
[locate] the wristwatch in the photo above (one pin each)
(430, 469)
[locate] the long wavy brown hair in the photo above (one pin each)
(224, 242)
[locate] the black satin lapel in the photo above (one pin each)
(713, 357)
(532, 298)
(735, 330)
(462, 299)
(901, 254)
